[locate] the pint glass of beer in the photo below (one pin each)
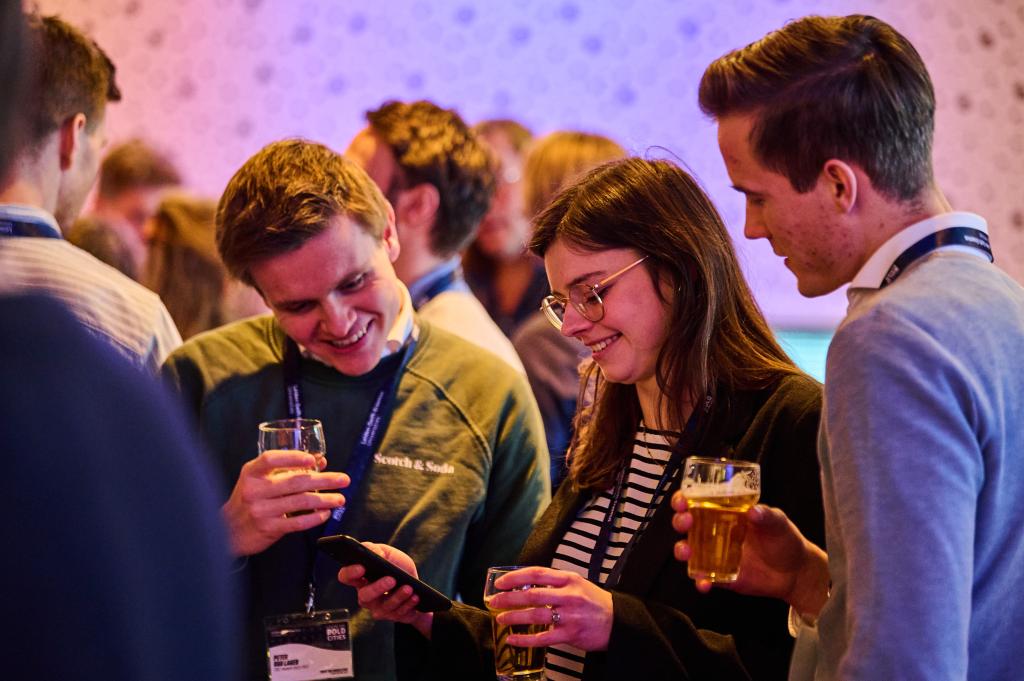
(512, 663)
(719, 492)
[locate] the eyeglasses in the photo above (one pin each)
(585, 299)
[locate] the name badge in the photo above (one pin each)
(303, 647)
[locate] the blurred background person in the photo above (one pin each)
(438, 178)
(643, 271)
(551, 359)
(95, 236)
(142, 596)
(507, 279)
(47, 185)
(133, 179)
(186, 271)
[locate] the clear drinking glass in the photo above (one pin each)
(304, 435)
(512, 663)
(719, 493)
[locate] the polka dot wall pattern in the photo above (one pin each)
(211, 81)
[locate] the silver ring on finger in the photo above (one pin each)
(556, 617)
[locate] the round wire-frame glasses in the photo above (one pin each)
(585, 299)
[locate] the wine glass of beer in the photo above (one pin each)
(719, 492)
(305, 435)
(510, 662)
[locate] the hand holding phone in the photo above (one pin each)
(349, 551)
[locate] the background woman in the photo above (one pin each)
(552, 360)
(184, 269)
(643, 272)
(508, 279)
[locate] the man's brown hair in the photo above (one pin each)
(135, 164)
(285, 195)
(435, 146)
(849, 87)
(73, 76)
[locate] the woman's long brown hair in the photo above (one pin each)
(717, 340)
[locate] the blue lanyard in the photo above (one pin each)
(959, 236)
(373, 432)
(607, 526)
(27, 226)
(449, 281)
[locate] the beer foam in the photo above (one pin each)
(739, 486)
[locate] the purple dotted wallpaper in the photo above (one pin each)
(210, 81)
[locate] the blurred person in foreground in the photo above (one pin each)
(826, 127)
(438, 178)
(508, 280)
(133, 179)
(100, 591)
(552, 360)
(46, 186)
(15, 72)
(94, 588)
(643, 272)
(185, 270)
(436, 443)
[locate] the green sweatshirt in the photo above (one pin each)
(460, 477)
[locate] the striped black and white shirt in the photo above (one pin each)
(651, 452)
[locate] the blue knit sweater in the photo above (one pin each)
(922, 456)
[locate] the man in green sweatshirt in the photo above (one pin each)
(437, 444)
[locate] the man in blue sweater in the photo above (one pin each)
(826, 128)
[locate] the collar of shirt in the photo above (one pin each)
(419, 288)
(19, 211)
(404, 326)
(401, 330)
(874, 270)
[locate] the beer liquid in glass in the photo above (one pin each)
(512, 663)
(716, 538)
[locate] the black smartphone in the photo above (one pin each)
(348, 551)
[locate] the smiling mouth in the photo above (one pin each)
(603, 343)
(349, 340)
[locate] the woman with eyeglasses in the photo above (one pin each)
(643, 272)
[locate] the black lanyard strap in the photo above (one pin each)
(685, 441)
(952, 236)
(372, 434)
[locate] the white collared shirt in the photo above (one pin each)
(403, 327)
(873, 272)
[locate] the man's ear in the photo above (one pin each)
(389, 237)
(72, 136)
(841, 181)
(418, 206)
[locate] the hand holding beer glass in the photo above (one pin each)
(283, 489)
(304, 435)
(512, 663)
(718, 492)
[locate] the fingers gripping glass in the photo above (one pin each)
(585, 299)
